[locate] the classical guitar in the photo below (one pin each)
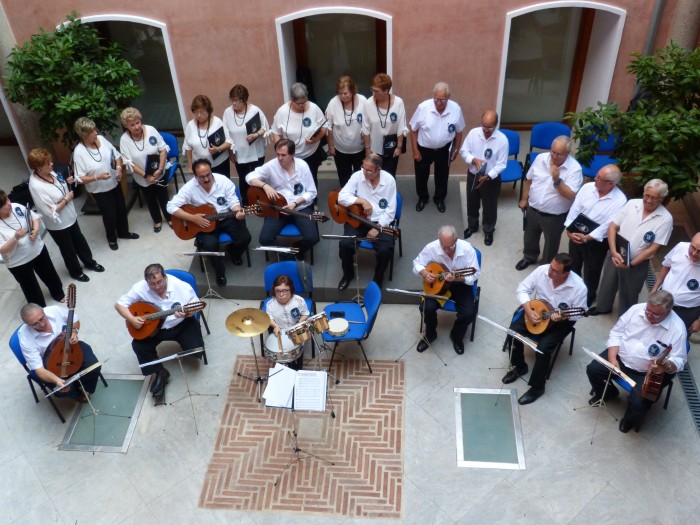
(186, 229)
(653, 381)
(61, 357)
(154, 318)
(440, 273)
(545, 311)
(353, 215)
(272, 208)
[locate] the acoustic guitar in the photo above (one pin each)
(440, 273)
(354, 215)
(61, 357)
(545, 311)
(273, 208)
(653, 381)
(154, 318)
(187, 230)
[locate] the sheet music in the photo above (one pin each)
(310, 390)
(609, 366)
(279, 392)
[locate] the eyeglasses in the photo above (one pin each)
(601, 179)
(557, 154)
(236, 101)
(440, 100)
(449, 246)
(653, 315)
(376, 90)
(488, 128)
(202, 177)
(651, 198)
(694, 250)
(282, 291)
(200, 112)
(38, 322)
(300, 103)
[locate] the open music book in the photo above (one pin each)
(301, 390)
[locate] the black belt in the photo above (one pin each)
(547, 214)
(435, 149)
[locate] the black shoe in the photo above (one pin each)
(129, 235)
(440, 206)
(344, 283)
(96, 268)
(468, 232)
(113, 246)
(626, 425)
(221, 280)
(594, 311)
(424, 343)
(531, 396)
(160, 381)
(237, 261)
(522, 264)
(156, 229)
(457, 345)
(82, 397)
(513, 374)
(488, 239)
(421, 204)
(82, 278)
(611, 394)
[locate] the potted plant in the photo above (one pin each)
(659, 134)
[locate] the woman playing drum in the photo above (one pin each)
(285, 310)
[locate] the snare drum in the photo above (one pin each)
(289, 352)
(320, 322)
(338, 327)
(299, 334)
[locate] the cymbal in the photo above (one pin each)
(247, 322)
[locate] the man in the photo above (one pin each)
(291, 178)
(680, 276)
(41, 326)
(599, 201)
(485, 151)
(647, 225)
(375, 191)
(453, 254)
(634, 344)
(436, 135)
(554, 284)
(164, 292)
(218, 191)
(550, 188)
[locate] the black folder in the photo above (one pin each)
(152, 163)
(253, 125)
(582, 224)
(622, 246)
(217, 139)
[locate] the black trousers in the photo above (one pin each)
(383, 245)
(390, 164)
(113, 208)
(637, 406)
(348, 163)
(224, 168)
(25, 274)
(486, 195)
(547, 342)
(314, 161)
(73, 246)
(688, 314)
(588, 259)
(463, 296)
(89, 380)
(441, 158)
(240, 239)
(187, 334)
(243, 169)
(539, 223)
(156, 198)
(273, 226)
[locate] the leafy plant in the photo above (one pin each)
(659, 136)
(69, 74)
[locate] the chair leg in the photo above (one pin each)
(668, 394)
(365, 356)
(206, 325)
(553, 359)
(247, 255)
(51, 400)
(102, 378)
(571, 345)
(182, 174)
(391, 266)
(31, 385)
(312, 256)
(330, 365)
(204, 355)
(400, 245)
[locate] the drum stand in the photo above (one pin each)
(258, 379)
(297, 452)
(321, 349)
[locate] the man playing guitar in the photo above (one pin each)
(218, 191)
(164, 292)
(452, 254)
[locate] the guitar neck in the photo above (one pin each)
(287, 211)
(370, 224)
(230, 213)
(69, 328)
(162, 313)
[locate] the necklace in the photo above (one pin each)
(301, 125)
(96, 157)
(235, 116)
(53, 182)
(19, 224)
(143, 141)
(205, 142)
(385, 115)
(348, 116)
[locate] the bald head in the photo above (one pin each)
(489, 121)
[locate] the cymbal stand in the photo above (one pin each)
(297, 452)
(321, 349)
(258, 379)
(189, 392)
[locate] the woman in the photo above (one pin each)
(25, 254)
(345, 113)
(246, 124)
(99, 166)
(206, 137)
(144, 152)
(384, 127)
(54, 200)
(302, 122)
(285, 310)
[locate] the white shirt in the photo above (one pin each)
(178, 293)
(436, 130)
(637, 338)
(683, 280)
(298, 127)
(465, 257)
(25, 250)
(599, 209)
(543, 196)
(35, 343)
(89, 162)
(46, 197)
(494, 151)
(570, 294)
(299, 184)
(641, 233)
(222, 195)
(238, 132)
(137, 151)
(346, 129)
(287, 315)
(197, 141)
(378, 123)
(382, 198)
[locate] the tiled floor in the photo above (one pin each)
(580, 468)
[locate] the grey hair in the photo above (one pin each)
(153, 270)
(563, 139)
(27, 310)
(613, 171)
(658, 185)
(375, 159)
(447, 229)
(298, 90)
(442, 86)
(83, 127)
(661, 298)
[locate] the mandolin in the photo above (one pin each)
(545, 311)
(353, 215)
(273, 208)
(61, 357)
(653, 381)
(440, 272)
(187, 230)
(154, 318)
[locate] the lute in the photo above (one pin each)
(545, 311)
(154, 318)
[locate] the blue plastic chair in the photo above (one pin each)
(514, 168)
(174, 158)
(291, 230)
(188, 278)
(542, 136)
(362, 320)
(596, 164)
(366, 245)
